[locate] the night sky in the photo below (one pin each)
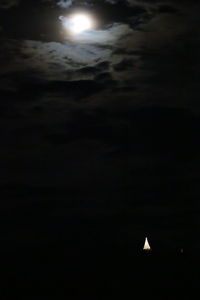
(99, 135)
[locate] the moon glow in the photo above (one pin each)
(78, 23)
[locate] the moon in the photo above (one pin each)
(78, 23)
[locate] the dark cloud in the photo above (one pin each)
(96, 69)
(167, 9)
(123, 65)
(147, 131)
(6, 4)
(77, 89)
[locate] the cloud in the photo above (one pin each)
(123, 65)
(119, 58)
(52, 61)
(65, 3)
(110, 36)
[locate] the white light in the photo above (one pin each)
(146, 245)
(79, 23)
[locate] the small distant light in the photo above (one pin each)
(146, 245)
